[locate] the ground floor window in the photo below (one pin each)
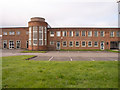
(77, 44)
(18, 44)
(95, 44)
(71, 44)
(34, 42)
(51, 42)
(5, 44)
(26, 44)
(89, 44)
(11, 44)
(83, 44)
(64, 43)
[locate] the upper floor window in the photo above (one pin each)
(112, 34)
(118, 33)
(83, 33)
(64, 33)
(77, 33)
(102, 33)
(11, 33)
(96, 33)
(89, 33)
(30, 34)
(18, 32)
(4, 33)
(35, 35)
(51, 33)
(40, 35)
(58, 33)
(71, 33)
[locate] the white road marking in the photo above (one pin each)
(70, 58)
(50, 58)
(92, 59)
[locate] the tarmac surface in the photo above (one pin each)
(66, 55)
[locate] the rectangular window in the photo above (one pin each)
(5, 44)
(35, 35)
(71, 44)
(83, 44)
(89, 33)
(45, 36)
(118, 33)
(95, 44)
(89, 44)
(71, 33)
(83, 33)
(111, 33)
(64, 43)
(58, 33)
(29, 42)
(102, 33)
(40, 35)
(96, 33)
(18, 32)
(4, 33)
(64, 33)
(11, 33)
(18, 44)
(51, 33)
(30, 33)
(77, 33)
(51, 42)
(77, 44)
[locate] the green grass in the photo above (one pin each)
(113, 51)
(33, 51)
(21, 73)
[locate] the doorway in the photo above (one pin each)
(102, 45)
(11, 44)
(58, 45)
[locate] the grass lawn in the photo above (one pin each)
(21, 73)
(81, 50)
(33, 51)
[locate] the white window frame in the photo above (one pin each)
(117, 33)
(11, 33)
(95, 34)
(52, 35)
(4, 41)
(69, 43)
(35, 29)
(112, 34)
(103, 33)
(41, 31)
(76, 33)
(63, 44)
(90, 34)
(63, 33)
(78, 42)
(45, 36)
(82, 44)
(18, 33)
(16, 44)
(95, 45)
(88, 43)
(4, 33)
(58, 33)
(51, 42)
(71, 35)
(82, 33)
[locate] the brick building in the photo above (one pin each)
(40, 36)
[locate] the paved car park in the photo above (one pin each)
(66, 55)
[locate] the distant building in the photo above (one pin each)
(40, 36)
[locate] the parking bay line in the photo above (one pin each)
(50, 58)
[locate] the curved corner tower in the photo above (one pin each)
(37, 34)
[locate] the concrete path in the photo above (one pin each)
(67, 55)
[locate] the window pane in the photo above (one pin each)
(77, 33)
(58, 33)
(83, 33)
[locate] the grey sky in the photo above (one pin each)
(60, 13)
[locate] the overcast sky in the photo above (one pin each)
(60, 13)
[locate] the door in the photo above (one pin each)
(5, 44)
(11, 44)
(58, 45)
(102, 45)
(26, 44)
